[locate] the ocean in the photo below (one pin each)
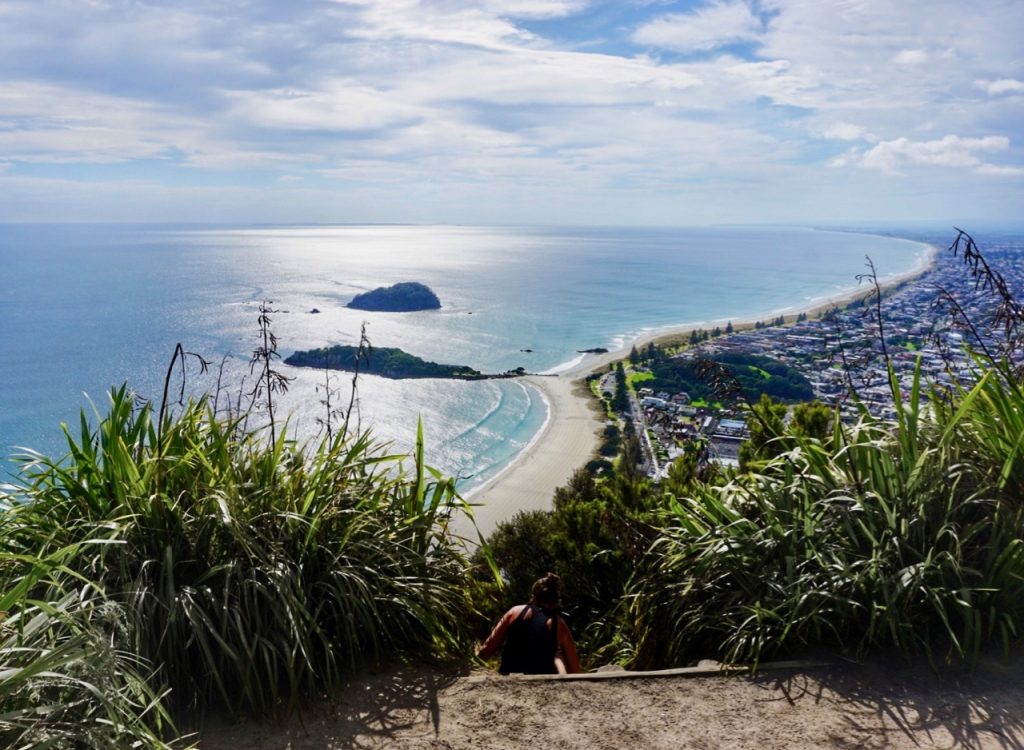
(88, 307)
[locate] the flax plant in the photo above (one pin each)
(254, 571)
(65, 681)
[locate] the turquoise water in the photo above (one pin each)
(87, 307)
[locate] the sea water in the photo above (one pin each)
(87, 307)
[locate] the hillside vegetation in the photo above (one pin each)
(190, 562)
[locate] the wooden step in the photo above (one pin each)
(706, 668)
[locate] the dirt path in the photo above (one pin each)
(877, 706)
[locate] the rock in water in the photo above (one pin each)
(409, 296)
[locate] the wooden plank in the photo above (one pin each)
(716, 670)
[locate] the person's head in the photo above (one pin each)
(545, 591)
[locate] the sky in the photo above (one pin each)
(575, 112)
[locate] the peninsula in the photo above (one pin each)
(388, 362)
(408, 296)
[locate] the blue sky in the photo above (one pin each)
(512, 111)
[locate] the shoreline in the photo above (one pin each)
(564, 443)
(568, 439)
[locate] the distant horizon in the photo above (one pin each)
(867, 226)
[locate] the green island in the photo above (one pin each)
(386, 362)
(408, 296)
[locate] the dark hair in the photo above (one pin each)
(546, 590)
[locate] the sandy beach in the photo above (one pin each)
(569, 437)
(566, 442)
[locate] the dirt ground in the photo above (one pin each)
(879, 705)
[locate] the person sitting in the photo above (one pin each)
(536, 638)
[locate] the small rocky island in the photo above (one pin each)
(388, 363)
(408, 296)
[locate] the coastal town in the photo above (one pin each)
(935, 319)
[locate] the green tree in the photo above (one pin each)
(766, 426)
(620, 401)
(630, 466)
(610, 445)
(812, 419)
(589, 539)
(522, 550)
(689, 474)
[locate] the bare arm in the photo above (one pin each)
(566, 657)
(497, 637)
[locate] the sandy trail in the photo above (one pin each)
(884, 705)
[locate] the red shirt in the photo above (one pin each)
(565, 654)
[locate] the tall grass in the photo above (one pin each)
(65, 681)
(905, 534)
(253, 571)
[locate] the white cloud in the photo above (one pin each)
(1001, 86)
(50, 123)
(911, 57)
(64, 125)
(541, 77)
(535, 8)
(714, 25)
(845, 131)
(392, 95)
(850, 49)
(338, 105)
(229, 156)
(775, 80)
(996, 170)
(843, 160)
(384, 20)
(951, 151)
